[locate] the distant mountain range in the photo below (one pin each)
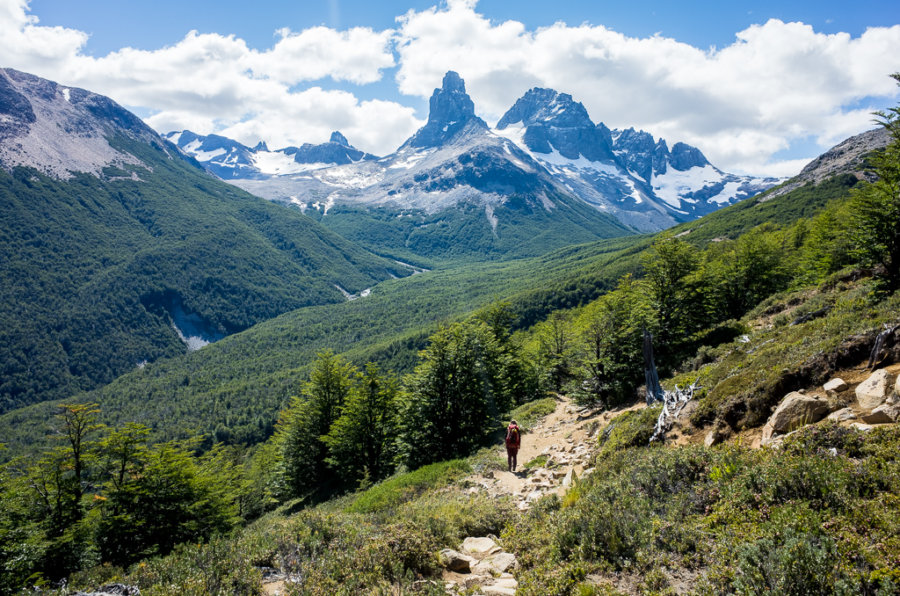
(229, 160)
(545, 147)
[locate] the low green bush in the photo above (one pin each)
(404, 486)
(629, 429)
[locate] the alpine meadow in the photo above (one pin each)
(465, 299)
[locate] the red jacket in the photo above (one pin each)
(513, 439)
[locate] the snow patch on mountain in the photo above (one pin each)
(674, 185)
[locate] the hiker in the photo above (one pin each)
(513, 441)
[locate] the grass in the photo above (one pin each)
(529, 414)
(629, 429)
(538, 462)
(401, 488)
(794, 521)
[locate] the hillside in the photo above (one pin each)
(119, 251)
(237, 385)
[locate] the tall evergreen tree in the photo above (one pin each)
(362, 442)
(876, 205)
(307, 420)
(555, 350)
(608, 346)
(450, 400)
(667, 267)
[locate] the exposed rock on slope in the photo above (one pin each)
(59, 130)
(847, 157)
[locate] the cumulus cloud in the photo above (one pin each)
(215, 83)
(777, 83)
(776, 86)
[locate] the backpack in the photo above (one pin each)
(512, 435)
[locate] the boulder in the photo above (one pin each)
(883, 414)
(456, 561)
(835, 386)
(495, 564)
(872, 392)
(570, 476)
(796, 410)
(498, 590)
(842, 414)
(479, 546)
(897, 386)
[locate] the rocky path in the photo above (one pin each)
(554, 452)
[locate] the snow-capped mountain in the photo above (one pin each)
(626, 172)
(231, 160)
(546, 142)
(453, 187)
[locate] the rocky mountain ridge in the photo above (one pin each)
(847, 157)
(59, 130)
(546, 137)
(229, 159)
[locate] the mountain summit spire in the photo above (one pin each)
(450, 109)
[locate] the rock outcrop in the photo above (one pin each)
(451, 110)
(872, 392)
(835, 386)
(794, 411)
(883, 414)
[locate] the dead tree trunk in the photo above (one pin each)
(651, 376)
(673, 403)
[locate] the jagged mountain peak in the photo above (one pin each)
(450, 111)
(550, 121)
(453, 83)
(546, 106)
(684, 156)
(337, 137)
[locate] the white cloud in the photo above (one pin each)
(744, 105)
(778, 82)
(215, 83)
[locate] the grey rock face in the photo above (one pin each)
(450, 111)
(59, 130)
(554, 120)
(846, 157)
(794, 411)
(872, 392)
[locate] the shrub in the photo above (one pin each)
(629, 429)
(797, 564)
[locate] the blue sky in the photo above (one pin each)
(114, 24)
(760, 87)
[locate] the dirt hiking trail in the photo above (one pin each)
(558, 449)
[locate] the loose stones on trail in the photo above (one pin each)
(481, 568)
